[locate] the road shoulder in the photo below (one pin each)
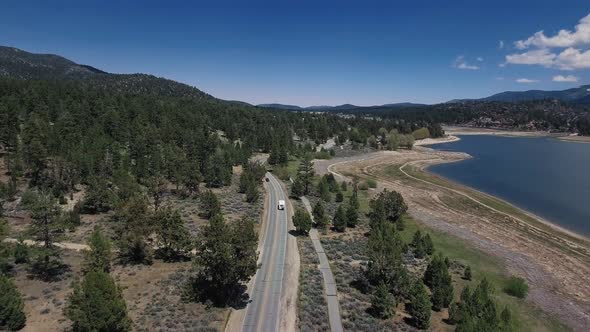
(288, 320)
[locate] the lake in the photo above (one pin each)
(546, 176)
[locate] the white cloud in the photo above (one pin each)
(537, 57)
(460, 63)
(480, 59)
(525, 80)
(572, 58)
(501, 44)
(573, 54)
(564, 38)
(568, 59)
(568, 78)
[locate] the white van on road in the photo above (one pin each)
(281, 205)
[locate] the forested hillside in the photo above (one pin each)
(62, 133)
(549, 115)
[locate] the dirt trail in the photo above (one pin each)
(556, 264)
(62, 245)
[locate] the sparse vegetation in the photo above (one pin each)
(313, 311)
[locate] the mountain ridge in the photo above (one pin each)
(19, 64)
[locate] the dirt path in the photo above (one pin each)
(63, 245)
(556, 265)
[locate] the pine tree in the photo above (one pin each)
(99, 197)
(173, 238)
(506, 319)
(306, 173)
(134, 249)
(302, 221)
(467, 273)
(21, 252)
(97, 304)
(339, 197)
(99, 257)
(156, 189)
(45, 227)
(319, 216)
(5, 265)
(245, 242)
(427, 244)
(298, 188)
(382, 302)
(12, 316)
(351, 216)
(418, 245)
(218, 170)
(210, 205)
(339, 221)
(454, 313)
(387, 206)
(477, 310)
(439, 280)
(419, 306)
(324, 190)
(318, 211)
(343, 186)
(226, 257)
(384, 251)
(354, 200)
(252, 193)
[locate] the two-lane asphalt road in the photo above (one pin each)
(263, 312)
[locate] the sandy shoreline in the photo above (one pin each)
(554, 225)
(431, 141)
(466, 131)
(456, 130)
(577, 139)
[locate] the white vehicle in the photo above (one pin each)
(281, 204)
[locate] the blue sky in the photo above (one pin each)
(318, 52)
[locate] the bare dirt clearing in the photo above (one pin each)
(556, 264)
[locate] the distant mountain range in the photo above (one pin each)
(19, 64)
(579, 95)
(344, 107)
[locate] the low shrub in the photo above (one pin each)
(517, 287)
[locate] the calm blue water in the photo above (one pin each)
(548, 177)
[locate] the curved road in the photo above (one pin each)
(263, 311)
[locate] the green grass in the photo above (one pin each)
(286, 171)
(527, 317)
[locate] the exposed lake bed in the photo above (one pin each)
(555, 262)
(543, 175)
